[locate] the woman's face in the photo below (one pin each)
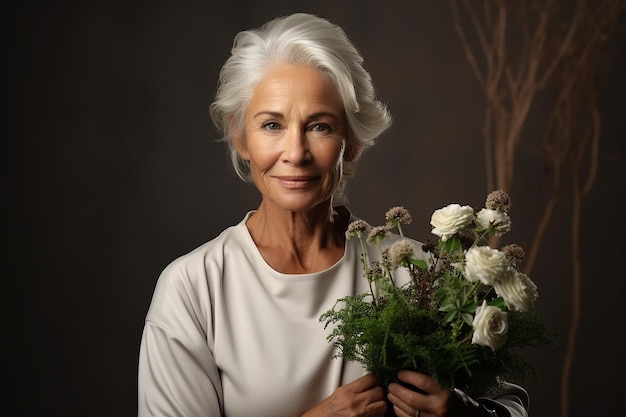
(294, 135)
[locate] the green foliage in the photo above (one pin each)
(401, 335)
(427, 325)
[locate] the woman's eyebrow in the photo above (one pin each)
(268, 113)
(312, 116)
(323, 114)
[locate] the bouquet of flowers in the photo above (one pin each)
(463, 313)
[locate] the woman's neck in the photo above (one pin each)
(297, 243)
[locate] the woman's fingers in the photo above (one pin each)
(427, 396)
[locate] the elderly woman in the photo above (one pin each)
(233, 328)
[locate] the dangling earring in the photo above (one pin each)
(339, 168)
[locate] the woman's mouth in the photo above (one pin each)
(296, 182)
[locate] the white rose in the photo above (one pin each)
(485, 264)
(450, 220)
(517, 289)
(490, 326)
(499, 220)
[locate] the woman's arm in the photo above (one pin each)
(176, 379)
(177, 374)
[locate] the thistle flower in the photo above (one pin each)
(514, 253)
(377, 234)
(399, 252)
(498, 200)
(396, 216)
(375, 272)
(356, 229)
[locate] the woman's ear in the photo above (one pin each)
(238, 138)
(352, 151)
(240, 144)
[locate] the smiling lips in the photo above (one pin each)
(296, 182)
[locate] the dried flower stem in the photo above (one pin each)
(558, 51)
(365, 263)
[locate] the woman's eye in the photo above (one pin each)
(271, 126)
(320, 127)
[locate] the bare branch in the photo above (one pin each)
(562, 52)
(469, 54)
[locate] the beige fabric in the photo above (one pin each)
(227, 335)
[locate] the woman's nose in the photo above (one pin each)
(297, 148)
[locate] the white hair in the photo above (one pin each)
(299, 39)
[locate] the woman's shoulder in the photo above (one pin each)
(204, 263)
(187, 285)
(233, 238)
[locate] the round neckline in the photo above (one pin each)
(305, 276)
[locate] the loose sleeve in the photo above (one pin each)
(177, 373)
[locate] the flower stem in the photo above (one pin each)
(365, 262)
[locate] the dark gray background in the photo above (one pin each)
(113, 171)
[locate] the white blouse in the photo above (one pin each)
(228, 335)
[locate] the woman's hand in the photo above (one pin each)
(363, 397)
(432, 401)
